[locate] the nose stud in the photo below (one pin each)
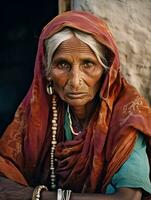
(72, 83)
(80, 81)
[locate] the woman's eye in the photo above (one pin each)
(63, 65)
(88, 64)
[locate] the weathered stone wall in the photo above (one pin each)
(130, 23)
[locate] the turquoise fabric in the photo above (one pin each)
(134, 173)
(68, 132)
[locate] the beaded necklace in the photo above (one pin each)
(53, 142)
(70, 123)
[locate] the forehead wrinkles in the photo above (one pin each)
(74, 45)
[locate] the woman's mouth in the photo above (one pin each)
(76, 95)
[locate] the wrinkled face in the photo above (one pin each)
(75, 72)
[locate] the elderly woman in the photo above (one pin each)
(81, 131)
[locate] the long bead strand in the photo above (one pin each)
(53, 142)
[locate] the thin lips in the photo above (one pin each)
(76, 94)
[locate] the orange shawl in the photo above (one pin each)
(87, 163)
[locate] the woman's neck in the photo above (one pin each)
(79, 112)
(82, 114)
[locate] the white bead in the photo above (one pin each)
(52, 150)
(54, 132)
(54, 142)
(55, 111)
(52, 168)
(54, 128)
(53, 186)
(54, 124)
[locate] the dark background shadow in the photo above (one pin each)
(21, 24)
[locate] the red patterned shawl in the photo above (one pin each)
(87, 163)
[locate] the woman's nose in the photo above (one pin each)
(75, 79)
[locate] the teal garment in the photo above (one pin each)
(67, 129)
(134, 173)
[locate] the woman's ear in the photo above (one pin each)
(48, 76)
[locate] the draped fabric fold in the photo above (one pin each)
(87, 163)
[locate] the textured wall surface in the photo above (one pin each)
(130, 23)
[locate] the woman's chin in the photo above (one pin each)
(77, 102)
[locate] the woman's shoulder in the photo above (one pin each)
(134, 173)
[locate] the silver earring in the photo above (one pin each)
(49, 88)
